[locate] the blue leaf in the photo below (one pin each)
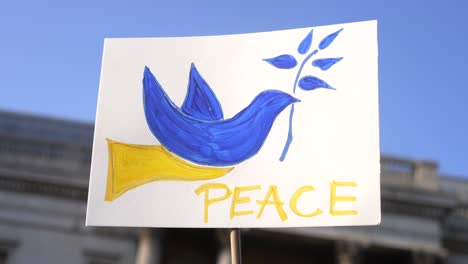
(308, 83)
(305, 43)
(325, 64)
(326, 41)
(284, 61)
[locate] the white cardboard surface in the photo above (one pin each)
(336, 132)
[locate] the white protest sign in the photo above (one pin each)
(272, 129)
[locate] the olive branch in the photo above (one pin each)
(308, 82)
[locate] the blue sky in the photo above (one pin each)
(50, 57)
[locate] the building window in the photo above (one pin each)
(98, 261)
(3, 256)
(6, 249)
(99, 257)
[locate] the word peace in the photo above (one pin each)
(273, 199)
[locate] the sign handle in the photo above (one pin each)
(235, 237)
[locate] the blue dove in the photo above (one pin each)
(198, 131)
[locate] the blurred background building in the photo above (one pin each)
(44, 172)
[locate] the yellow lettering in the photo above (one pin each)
(236, 199)
(334, 198)
(206, 188)
(273, 190)
(295, 197)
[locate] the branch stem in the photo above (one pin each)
(291, 113)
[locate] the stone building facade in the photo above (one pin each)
(44, 171)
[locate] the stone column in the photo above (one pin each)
(419, 257)
(224, 251)
(149, 247)
(224, 256)
(426, 175)
(346, 252)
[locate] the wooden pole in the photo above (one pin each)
(235, 237)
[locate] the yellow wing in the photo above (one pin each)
(133, 165)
